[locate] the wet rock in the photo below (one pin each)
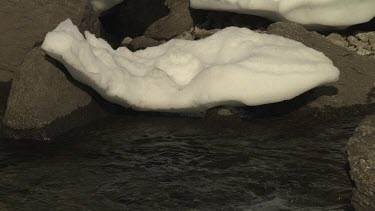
(357, 75)
(361, 156)
(25, 23)
(219, 112)
(42, 95)
(220, 118)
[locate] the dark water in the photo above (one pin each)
(144, 162)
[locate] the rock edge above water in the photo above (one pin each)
(361, 156)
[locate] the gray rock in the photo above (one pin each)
(365, 36)
(354, 41)
(203, 33)
(361, 156)
(160, 19)
(25, 23)
(357, 74)
(338, 40)
(364, 51)
(142, 42)
(361, 47)
(176, 22)
(197, 33)
(221, 118)
(372, 42)
(40, 95)
(363, 43)
(224, 112)
(186, 36)
(126, 42)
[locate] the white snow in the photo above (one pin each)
(235, 66)
(103, 5)
(316, 14)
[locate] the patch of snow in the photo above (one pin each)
(233, 67)
(103, 5)
(316, 14)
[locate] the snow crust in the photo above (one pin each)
(234, 67)
(103, 5)
(315, 14)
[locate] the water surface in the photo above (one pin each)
(151, 162)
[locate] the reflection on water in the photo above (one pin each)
(144, 162)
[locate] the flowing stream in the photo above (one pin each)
(156, 162)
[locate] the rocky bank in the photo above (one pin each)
(41, 92)
(44, 101)
(361, 156)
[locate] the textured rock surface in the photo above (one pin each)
(361, 156)
(357, 75)
(362, 43)
(133, 18)
(25, 23)
(160, 19)
(142, 42)
(178, 20)
(338, 40)
(41, 93)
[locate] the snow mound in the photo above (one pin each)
(233, 67)
(103, 5)
(315, 14)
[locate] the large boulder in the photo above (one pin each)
(357, 73)
(42, 97)
(156, 19)
(44, 101)
(361, 156)
(177, 21)
(25, 23)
